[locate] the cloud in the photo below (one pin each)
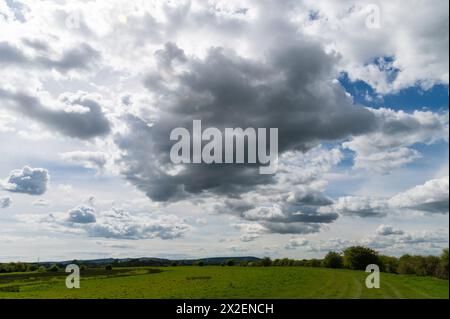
(291, 204)
(398, 243)
(295, 243)
(293, 228)
(388, 230)
(418, 52)
(114, 224)
(82, 117)
(201, 221)
(122, 225)
(358, 206)
(6, 123)
(292, 90)
(431, 197)
(230, 63)
(82, 215)
(80, 57)
(41, 202)
(421, 242)
(264, 213)
(250, 232)
(331, 244)
(32, 181)
(5, 202)
(388, 147)
(287, 214)
(92, 160)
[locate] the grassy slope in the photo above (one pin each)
(235, 282)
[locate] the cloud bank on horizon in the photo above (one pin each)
(90, 92)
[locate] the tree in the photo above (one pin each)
(54, 268)
(443, 265)
(359, 257)
(313, 263)
(32, 267)
(432, 266)
(266, 262)
(108, 267)
(389, 264)
(230, 262)
(406, 265)
(333, 260)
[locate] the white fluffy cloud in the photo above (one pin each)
(120, 224)
(389, 146)
(115, 224)
(358, 206)
(416, 40)
(32, 181)
(82, 215)
(432, 197)
(420, 242)
(250, 232)
(429, 198)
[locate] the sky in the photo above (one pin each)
(90, 91)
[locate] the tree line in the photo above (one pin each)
(359, 257)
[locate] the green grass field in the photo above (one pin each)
(221, 282)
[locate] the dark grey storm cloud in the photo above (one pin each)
(83, 125)
(32, 181)
(437, 207)
(293, 228)
(80, 57)
(292, 90)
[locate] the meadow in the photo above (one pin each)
(192, 282)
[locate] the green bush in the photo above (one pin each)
(420, 265)
(333, 260)
(359, 257)
(389, 264)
